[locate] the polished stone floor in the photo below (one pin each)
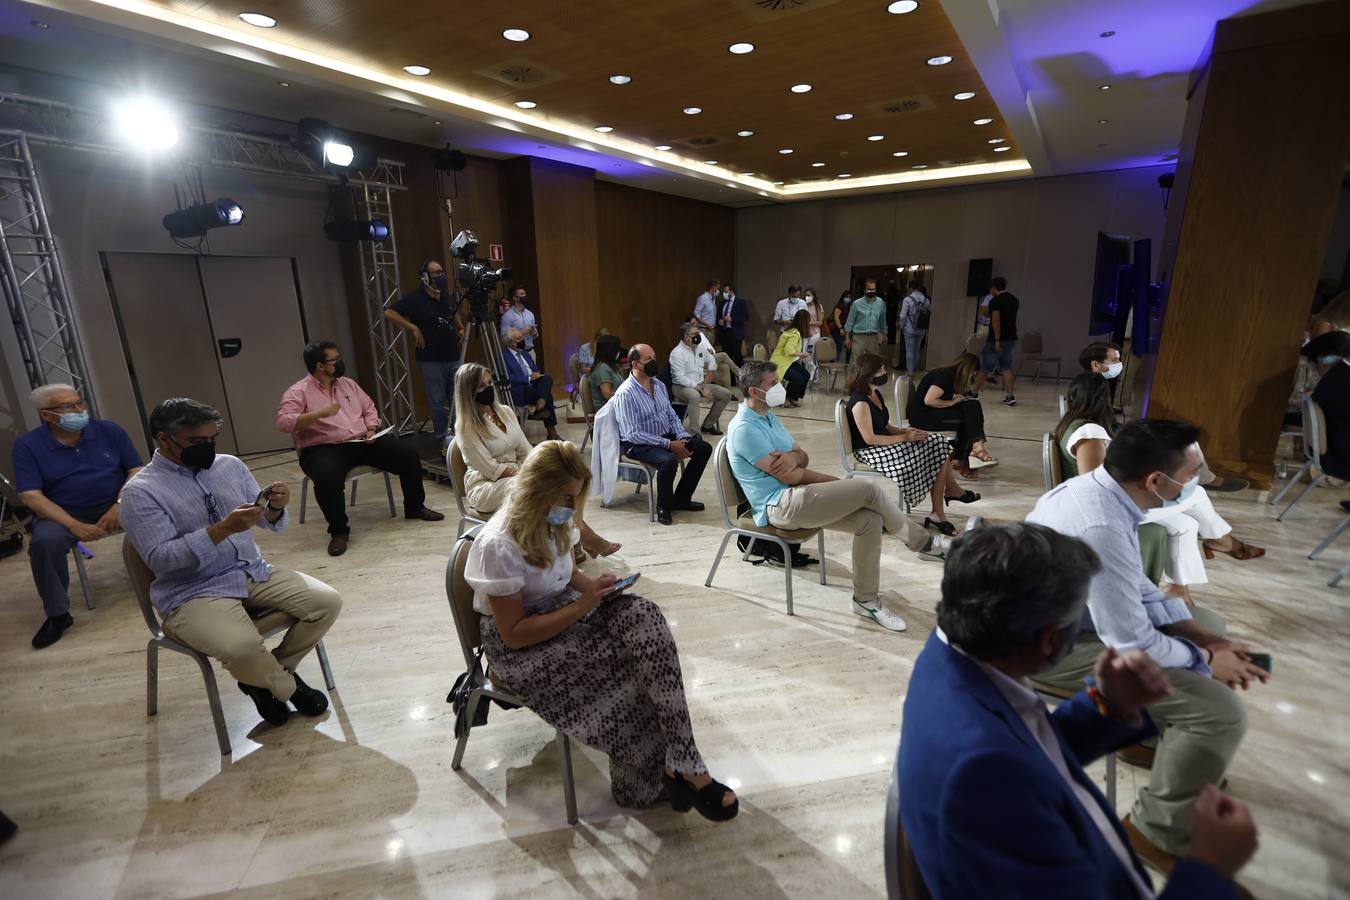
(800, 715)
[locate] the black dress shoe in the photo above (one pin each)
(663, 516)
(426, 515)
(51, 630)
(337, 545)
(690, 506)
(711, 429)
(273, 711)
(306, 700)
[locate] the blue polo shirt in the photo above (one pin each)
(88, 475)
(751, 437)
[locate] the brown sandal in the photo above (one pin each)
(1239, 551)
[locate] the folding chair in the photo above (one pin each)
(355, 474)
(760, 353)
(587, 410)
(1052, 465)
(1314, 445)
(827, 362)
(844, 441)
(454, 462)
(574, 367)
(903, 393)
(1327, 542)
(1033, 350)
(467, 625)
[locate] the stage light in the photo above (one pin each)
(335, 154)
(374, 231)
(144, 124)
(195, 221)
(329, 147)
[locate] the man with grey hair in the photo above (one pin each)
(991, 783)
(691, 377)
(771, 469)
(68, 472)
(190, 514)
(530, 387)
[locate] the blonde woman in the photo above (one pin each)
(601, 667)
(494, 447)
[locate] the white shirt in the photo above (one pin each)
(787, 308)
(687, 366)
(497, 568)
(1033, 713)
(706, 350)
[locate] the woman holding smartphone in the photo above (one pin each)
(600, 666)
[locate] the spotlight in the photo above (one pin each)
(364, 230)
(329, 147)
(144, 124)
(195, 221)
(335, 154)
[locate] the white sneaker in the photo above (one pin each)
(879, 614)
(936, 549)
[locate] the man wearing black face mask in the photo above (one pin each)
(334, 424)
(432, 319)
(190, 513)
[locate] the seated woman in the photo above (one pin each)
(940, 404)
(603, 669)
(1082, 435)
(586, 353)
(494, 447)
(791, 356)
(604, 376)
(1330, 355)
(919, 462)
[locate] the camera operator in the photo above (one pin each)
(432, 317)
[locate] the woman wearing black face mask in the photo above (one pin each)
(494, 447)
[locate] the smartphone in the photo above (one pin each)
(1260, 660)
(262, 496)
(621, 585)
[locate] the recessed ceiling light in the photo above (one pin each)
(843, 175)
(983, 121)
(741, 47)
(800, 88)
(900, 7)
(1102, 121)
(662, 147)
(844, 117)
(876, 137)
(997, 141)
(692, 110)
(778, 182)
(710, 162)
(620, 79)
(1106, 34)
(900, 153)
(604, 129)
(919, 166)
(939, 60)
(417, 70)
(745, 134)
(964, 95)
(1006, 149)
(526, 104)
(1104, 87)
(785, 151)
(258, 20)
(817, 165)
(38, 23)
(516, 34)
(283, 84)
(437, 122)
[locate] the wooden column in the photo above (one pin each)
(1264, 149)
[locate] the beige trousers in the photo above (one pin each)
(859, 506)
(691, 399)
(867, 343)
(222, 627)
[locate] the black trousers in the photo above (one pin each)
(327, 466)
(731, 345)
(795, 380)
(965, 418)
(542, 389)
(667, 465)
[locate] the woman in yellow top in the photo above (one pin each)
(790, 355)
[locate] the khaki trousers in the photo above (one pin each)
(867, 343)
(222, 627)
(1201, 726)
(690, 397)
(859, 506)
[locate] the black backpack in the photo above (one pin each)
(925, 315)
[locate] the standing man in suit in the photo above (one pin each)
(991, 783)
(529, 386)
(732, 314)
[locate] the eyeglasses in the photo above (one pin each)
(77, 406)
(212, 512)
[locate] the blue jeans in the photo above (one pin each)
(913, 347)
(1004, 357)
(439, 379)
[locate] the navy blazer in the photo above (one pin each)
(740, 314)
(987, 813)
(520, 378)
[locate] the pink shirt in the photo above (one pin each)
(356, 412)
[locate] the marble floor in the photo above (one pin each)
(799, 714)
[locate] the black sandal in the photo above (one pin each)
(967, 497)
(708, 799)
(946, 528)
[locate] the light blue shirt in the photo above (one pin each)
(646, 418)
(165, 513)
(909, 311)
(522, 320)
(1125, 609)
(866, 317)
(706, 308)
(751, 437)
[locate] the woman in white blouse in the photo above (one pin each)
(493, 447)
(601, 667)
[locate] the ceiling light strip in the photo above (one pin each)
(1002, 167)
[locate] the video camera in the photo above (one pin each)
(473, 275)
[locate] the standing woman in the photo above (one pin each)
(819, 325)
(940, 404)
(840, 316)
(601, 668)
(919, 462)
(791, 356)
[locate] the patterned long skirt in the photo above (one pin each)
(913, 465)
(612, 681)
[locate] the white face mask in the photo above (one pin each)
(810, 299)
(1113, 369)
(776, 395)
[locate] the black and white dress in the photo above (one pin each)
(913, 465)
(611, 680)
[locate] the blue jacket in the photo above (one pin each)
(740, 314)
(987, 813)
(520, 378)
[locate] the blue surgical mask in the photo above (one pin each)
(73, 421)
(1328, 360)
(1113, 369)
(1186, 490)
(560, 515)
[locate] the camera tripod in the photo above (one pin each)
(484, 326)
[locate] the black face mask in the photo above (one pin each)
(880, 380)
(340, 369)
(440, 281)
(650, 368)
(485, 396)
(197, 456)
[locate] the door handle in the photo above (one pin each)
(230, 347)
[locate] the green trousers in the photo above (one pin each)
(1153, 550)
(1201, 726)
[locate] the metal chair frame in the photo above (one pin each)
(455, 465)
(829, 365)
(587, 409)
(361, 472)
(843, 439)
(1314, 444)
(1038, 357)
(1052, 466)
(904, 387)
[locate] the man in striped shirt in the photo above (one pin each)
(650, 432)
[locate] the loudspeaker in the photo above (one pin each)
(977, 277)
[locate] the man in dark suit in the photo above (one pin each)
(1330, 354)
(732, 314)
(529, 386)
(992, 790)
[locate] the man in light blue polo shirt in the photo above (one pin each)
(772, 471)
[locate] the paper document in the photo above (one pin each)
(379, 434)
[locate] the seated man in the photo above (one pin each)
(650, 432)
(189, 514)
(771, 469)
(691, 372)
(1330, 356)
(334, 423)
(68, 472)
(529, 386)
(1152, 463)
(991, 783)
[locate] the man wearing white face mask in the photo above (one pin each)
(1152, 463)
(771, 469)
